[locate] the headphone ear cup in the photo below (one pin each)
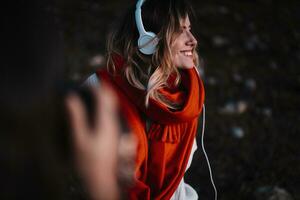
(147, 43)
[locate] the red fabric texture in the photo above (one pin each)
(163, 152)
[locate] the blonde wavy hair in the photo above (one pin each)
(150, 73)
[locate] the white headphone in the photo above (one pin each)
(147, 41)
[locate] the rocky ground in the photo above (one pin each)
(251, 57)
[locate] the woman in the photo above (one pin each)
(160, 92)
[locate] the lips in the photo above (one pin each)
(187, 52)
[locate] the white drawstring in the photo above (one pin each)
(205, 154)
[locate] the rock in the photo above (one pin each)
(229, 108)
(251, 42)
(237, 132)
(238, 17)
(241, 107)
(211, 81)
(273, 65)
(267, 112)
(280, 194)
(219, 41)
(250, 84)
(223, 10)
(97, 60)
(232, 51)
(237, 77)
(232, 107)
(272, 193)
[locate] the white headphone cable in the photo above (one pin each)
(205, 154)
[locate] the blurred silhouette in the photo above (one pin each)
(96, 147)
(33, 161)
(39, 155)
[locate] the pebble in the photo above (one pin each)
(237, 132)
(219, 41)
(211, 81)
(250, 84)
(232, 107)
(267, 112)
(97, 60)
(272, 193)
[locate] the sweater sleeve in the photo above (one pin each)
(91, 81)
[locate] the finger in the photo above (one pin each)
(108, 125)
(126, 159)
(127, 145)
(107, 110)
(78, 119)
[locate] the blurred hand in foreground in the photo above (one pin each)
(104, 157)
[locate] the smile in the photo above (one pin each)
(187, 53)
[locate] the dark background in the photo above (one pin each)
(251, 57)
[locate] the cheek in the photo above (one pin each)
(176, 54)
(178, 60)
(175, 59)
(174, 49)
(176, 46)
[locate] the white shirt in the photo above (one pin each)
(184, 190)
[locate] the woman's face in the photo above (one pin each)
(183, 45)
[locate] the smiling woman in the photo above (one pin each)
(183, 47)
(161, 94)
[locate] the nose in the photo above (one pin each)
(191, 39)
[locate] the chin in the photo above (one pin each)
(184, 63)
(188, 65)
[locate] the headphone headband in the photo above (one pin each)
(147, 41)
(138, 17)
